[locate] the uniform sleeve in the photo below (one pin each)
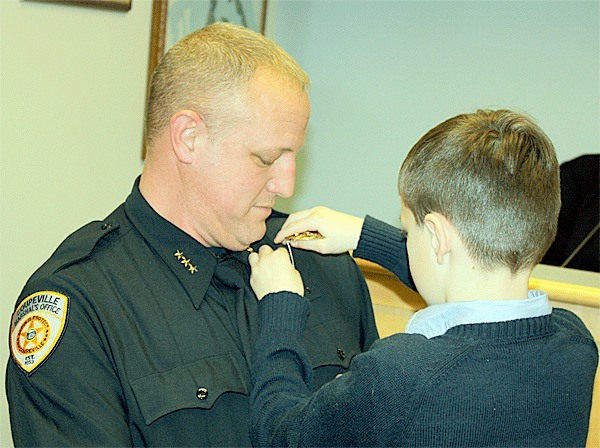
(73, 397)
(284, 411)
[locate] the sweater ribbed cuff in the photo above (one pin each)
(284, 311)
(375, 238)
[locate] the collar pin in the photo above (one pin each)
(186, 262)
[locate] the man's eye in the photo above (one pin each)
(265, 162)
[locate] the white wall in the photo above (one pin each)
(72, 85)
(72, 82)
(385, 72)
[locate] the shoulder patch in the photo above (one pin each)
(36, 327)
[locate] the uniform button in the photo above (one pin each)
(341, 353)
(202, 393)
(106, 226)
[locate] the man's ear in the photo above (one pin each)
(441, 241)
(187, 129)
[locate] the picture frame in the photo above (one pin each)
(174, 19)
(118, 5)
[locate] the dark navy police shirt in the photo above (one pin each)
(133, 333)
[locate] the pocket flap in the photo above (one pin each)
(331, 348)
(194, 385)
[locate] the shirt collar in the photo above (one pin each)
(435, 320)
(191, 262)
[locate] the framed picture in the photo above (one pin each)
(175, 19)
(121, 5)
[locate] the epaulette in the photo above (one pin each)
(76, 247)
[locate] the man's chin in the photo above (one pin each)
(250, 235)
(258, 235)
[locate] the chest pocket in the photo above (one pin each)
(195, 385)
(332, 344)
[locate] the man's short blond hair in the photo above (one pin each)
(494, 175)
(208, 71)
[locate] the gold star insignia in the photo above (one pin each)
(187, 262)
(34, 333)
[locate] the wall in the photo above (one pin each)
(385, 72)
(72, 85)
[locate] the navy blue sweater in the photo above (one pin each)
(525, 382)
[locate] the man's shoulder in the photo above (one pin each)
(82, 244)
(43, 307)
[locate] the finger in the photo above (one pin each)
(288, 226)
(316, 245)
(298, 222)
(264, 250)
(283, 255)
(252, 258)
(308, 223)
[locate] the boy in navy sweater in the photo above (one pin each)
(487, 363)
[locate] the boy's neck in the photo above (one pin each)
(473, 283)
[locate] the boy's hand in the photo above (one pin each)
(272, 271)
(341, 232)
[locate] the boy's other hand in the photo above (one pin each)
(272, 271)
(341, 231)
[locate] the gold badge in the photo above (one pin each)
(308, 235)
(36, 327)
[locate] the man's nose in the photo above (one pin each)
(282, 183)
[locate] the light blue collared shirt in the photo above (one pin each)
(435, 320)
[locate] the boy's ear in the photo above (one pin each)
(187, 129)
(441, 242)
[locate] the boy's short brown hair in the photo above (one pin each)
(495, 176)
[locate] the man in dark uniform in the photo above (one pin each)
(139, 329)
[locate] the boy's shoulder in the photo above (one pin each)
(568, 321)
(415, 350)
(418, 347)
